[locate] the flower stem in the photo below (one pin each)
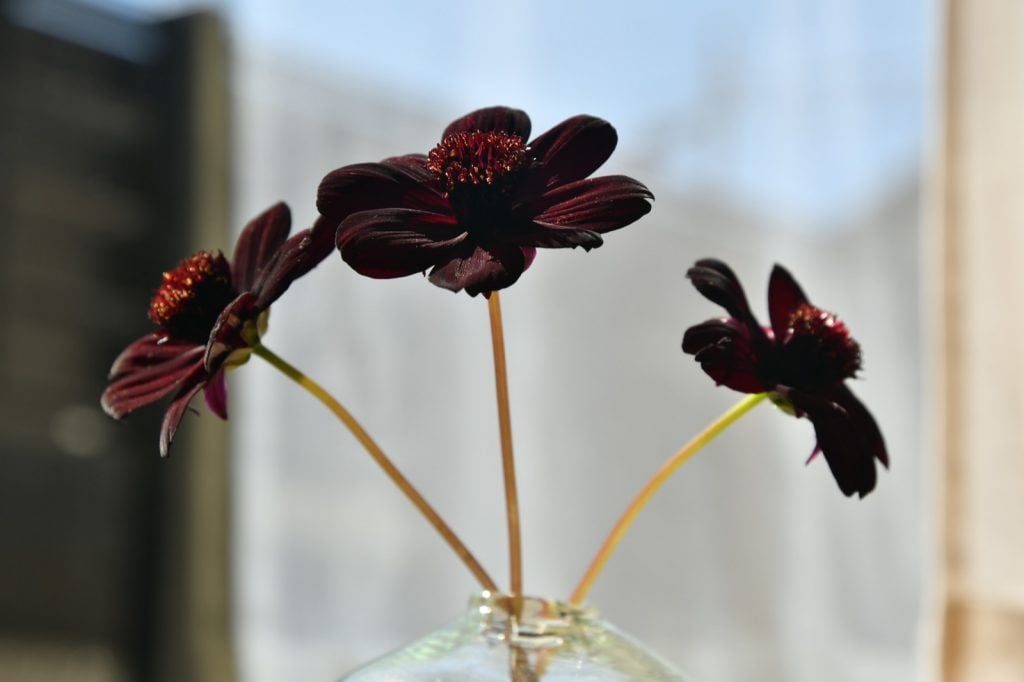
(640, 501)
(382, 460)
(507, 461)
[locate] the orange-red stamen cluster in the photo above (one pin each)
(193, 294)
(476, 158)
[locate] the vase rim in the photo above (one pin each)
(542, 623)
(543, 607)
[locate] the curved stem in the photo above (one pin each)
(644, 496)
(515, 557)
(382, 460)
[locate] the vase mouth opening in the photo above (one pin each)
(541, 623)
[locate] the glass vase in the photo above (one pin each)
(550, 641)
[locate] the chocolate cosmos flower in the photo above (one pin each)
(802, 360)
(208, 313)
(476, 208)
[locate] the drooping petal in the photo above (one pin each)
(552, 236)
(572, 150)
(397, 242)
(492, 119)
(725, 353)
(228, 334)
(863, 420)
(143, 384)
(152, 349)
(216, 394)
(482, 270)
(841, 439)
(597, 204)
(191, 385)
(784, 296)
(397, 182)
(258, 243)
(300, 253)
(718, 283)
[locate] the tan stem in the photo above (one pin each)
(382, 460)
(507, 460)
(659, 478)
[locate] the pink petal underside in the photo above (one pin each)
(216, 394)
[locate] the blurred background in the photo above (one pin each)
(871, 147)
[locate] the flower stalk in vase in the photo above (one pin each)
(473, 212)
(208, 314)
(802, 360)
(211, 314)
(677, 460)
(471, 215)
(508, 465)
(383, 461)
(800, 363)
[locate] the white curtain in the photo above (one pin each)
(770, 134)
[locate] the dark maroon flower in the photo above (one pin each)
(208, 314)
(474, 210)
(802, 360)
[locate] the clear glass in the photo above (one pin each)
(550, 641)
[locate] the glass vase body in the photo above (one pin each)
(550, 641)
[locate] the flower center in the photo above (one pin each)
(192, 296)
(819, 349)
(477, 158)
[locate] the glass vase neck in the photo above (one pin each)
(546, 641)
(540, 624)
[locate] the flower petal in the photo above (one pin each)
(725, 353)
(866, 423)
(302, 252)
(258, 243)
(397, 242)
(228, 334)
(152, 349)
(718, 283)
(397, 182)
(492, 119)
(846, 440)
(552, 236)
(191, 385)
(482, 270)
(784, 296)
(216, 394)
(598, 204)
(573, 149)
(145, 378)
